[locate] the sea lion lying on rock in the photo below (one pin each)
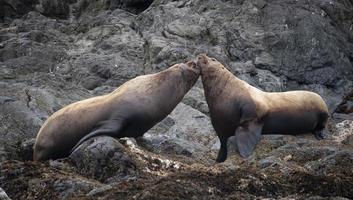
(129, 111)
(239, 109)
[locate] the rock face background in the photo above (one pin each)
(53, 53)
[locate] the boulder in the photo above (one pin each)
(104, 159)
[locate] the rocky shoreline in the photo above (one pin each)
(53, 53)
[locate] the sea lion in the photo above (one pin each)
(237, 108)
(129, 111)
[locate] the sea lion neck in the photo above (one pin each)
(172, 75)
(216, 77)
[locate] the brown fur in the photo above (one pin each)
(129, 111)
(234, 103)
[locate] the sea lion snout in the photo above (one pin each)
(191, 66)
(202, 60)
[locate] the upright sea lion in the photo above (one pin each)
(239, 109)
(129, 111)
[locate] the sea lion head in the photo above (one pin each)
(190, 68)
(208, 64)
(190, 72)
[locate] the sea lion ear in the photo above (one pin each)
(247, 136)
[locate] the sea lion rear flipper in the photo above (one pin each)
(108, 127)
(247, 136)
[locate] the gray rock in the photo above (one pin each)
(268, 81)
(32, 180)
(4, 154)
(91, 82)
(6, 73)
(277, 140)
(70, 187)
(103, 158)
(196, 99)
(99, 190)
(186, 28)
(348, 141)
(264, 59)
(63, 188)
(23, 110)
(14, 8)
(3, 195)
(103, 90)
(54, 8)
(133, 6)
(18, 123)
(268, 162)
(185, 131)
(26, 149)
(346, 106)
(53, 53)
(343, 131)
(167, 145)
(271, 44)
(303, 152)
(340, 161)
(340, 116)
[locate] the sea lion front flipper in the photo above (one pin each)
(248, 112)
(107, 127)
(247, 136)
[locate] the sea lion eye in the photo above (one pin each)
(213, 59)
